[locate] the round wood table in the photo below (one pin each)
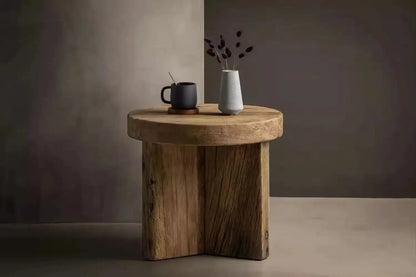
(205, 181)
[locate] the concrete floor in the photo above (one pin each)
(312, 237)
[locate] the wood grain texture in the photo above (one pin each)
(183, 112)
(208, 128)
(237, 200)
(200, 194)
(211, 200)
(172, 201)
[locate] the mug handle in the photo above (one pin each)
(162, 96)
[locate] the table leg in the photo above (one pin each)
(237, 200)
(212, 200)
(172, 201)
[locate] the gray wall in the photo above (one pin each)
(344, 75)
(69, 73)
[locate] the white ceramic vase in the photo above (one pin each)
(231, 101)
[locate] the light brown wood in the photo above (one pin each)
(172, 201)
(184, 112)
(206, 181)
(265, 197)
(237, 200)
(210, 199)
(208, 128)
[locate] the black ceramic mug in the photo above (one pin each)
(182, 95)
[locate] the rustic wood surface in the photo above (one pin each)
(208, 128)
(237, 200)
(205, 181)
(184, 112)
(211, 199)
(172, 201)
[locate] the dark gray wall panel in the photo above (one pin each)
(344, 75)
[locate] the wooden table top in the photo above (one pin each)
(208, 128)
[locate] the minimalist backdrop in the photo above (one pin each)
(344, 75)
(342, 72)
(69, 73)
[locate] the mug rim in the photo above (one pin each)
(184, 84)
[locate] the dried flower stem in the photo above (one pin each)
(216, 53)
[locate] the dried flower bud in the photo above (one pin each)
(239, 33)
(249, 49)
(237, 44)
(224, 56)
(207, 40)
(241, 55)
(210, 52)
(228, 52)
